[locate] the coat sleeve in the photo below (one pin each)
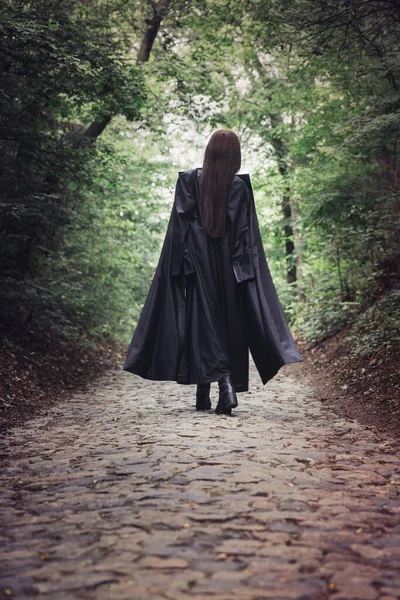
(184, 204)
(242, 260)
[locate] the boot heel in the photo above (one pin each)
(227, 396)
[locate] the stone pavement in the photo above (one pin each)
(126, 492)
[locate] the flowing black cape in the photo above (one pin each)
(178, 336)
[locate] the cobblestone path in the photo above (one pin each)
(126, 492)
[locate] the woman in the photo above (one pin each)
(212, 297)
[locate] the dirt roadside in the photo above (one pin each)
(364, 389)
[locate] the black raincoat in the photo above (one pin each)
(211, 300)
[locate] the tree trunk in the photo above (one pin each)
(160, 10)
(281, 148)
(282, 152)
(338, 265)
(298, 242)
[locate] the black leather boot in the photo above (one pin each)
(203, 401)
(227, 396)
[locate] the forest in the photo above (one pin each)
(103, 102)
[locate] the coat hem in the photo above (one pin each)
(177, 379)
(277, 369)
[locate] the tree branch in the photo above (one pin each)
(160, 10)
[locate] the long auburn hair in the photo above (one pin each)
(222, 159)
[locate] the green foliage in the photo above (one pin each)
(312, 90)
(378, 327)
(111, 246)
(62, 68)
(323, 316)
